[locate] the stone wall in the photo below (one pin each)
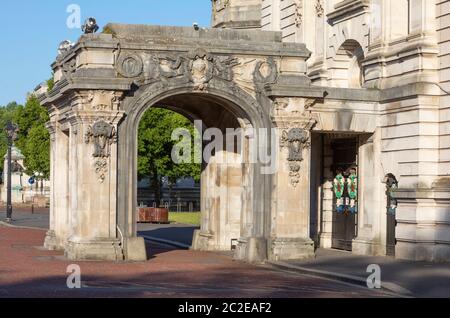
(397, 52)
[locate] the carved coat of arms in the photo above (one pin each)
(201, 68)
(295, 140)
(102, 134)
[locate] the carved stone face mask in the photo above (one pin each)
(296, 137)
(102, 132)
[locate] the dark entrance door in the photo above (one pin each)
(344, 218)
(391, 209)
(390, 241)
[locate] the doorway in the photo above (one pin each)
(345, 200)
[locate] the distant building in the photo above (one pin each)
(183, 196)
(22, 190)
(39, 90)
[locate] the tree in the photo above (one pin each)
(155, 146)
(33, 138)
(7, 113)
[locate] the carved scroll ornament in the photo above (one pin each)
(102, 134)
(295, 140)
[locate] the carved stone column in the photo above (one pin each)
(290, 238)
(51, 241)
(93, 186)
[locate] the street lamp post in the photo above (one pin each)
(11, 133)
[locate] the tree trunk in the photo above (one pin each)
(156, 187)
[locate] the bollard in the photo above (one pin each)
(32, 209)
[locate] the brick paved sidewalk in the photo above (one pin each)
(26, 270)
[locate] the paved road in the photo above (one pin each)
(181, 233)
(421, 279)
(29, 271)
(24, 217)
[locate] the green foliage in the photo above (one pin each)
(37, 151)
(33, 138)
(7, 113)
(155, 146)
(50, 83)
(193, 218)
(108, 30)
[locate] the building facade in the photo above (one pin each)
(21, 189)
(388, 62)
(356, 92)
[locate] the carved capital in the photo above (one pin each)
(293, 107)
(100, 100)
(51, 127)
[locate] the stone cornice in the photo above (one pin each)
(405, 195)
(217, 41)
(347, 9)
(64, 86)
(353, 94)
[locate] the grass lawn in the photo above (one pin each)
(185, 218)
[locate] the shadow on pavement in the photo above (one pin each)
(180, 234)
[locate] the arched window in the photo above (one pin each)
(346, 69)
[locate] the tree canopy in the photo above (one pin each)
(155, 148)
(7, 113)
(33, 138)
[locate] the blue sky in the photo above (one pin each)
(31, 31)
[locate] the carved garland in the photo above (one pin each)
(102, 134)
(319, 8)
(198, 67)
(298, 12)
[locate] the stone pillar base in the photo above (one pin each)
(135, 250)
(326, 240)
(423, 252)
(423, 223)
(94, 250)
(51, 242)
(201, 241)
(291, 248)
(364, 246)
(251, 250)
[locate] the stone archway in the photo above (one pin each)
(104, 84)
(239, 111)
(346, 70)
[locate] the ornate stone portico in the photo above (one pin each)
(104, 85)
(348, 105)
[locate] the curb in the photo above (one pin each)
(167, 242)
(2, 223)
(355, 280)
